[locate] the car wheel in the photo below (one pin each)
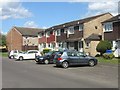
(20, 58)
(46, 61)
(91, 63)
(65, 64)
(12, 57)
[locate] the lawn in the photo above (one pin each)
(110, 61)
(4, 54)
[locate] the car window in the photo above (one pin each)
(32, 52)
(35, 52)
(49, 53)
(72, 53)
(15, 52)
(80, 54)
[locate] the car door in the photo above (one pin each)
(73, 58)
(82, 58)
(30, 55)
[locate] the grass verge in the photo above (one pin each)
(110, 61)
(4, 54)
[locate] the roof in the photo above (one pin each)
(94, 37)
(113, 19)
(76, 22)
(28, 31)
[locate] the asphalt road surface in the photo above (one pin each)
(28, 74)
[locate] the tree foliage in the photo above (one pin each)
(2, 40)
(103, 46)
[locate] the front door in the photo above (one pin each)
(76, 45)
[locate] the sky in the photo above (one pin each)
(46, 14)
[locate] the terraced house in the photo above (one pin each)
(81, 35)
(111, 28)
(21, 38)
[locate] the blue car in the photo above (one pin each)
(69, 58)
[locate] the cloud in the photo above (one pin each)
(13, 10)
(95, 8)
(31, 24)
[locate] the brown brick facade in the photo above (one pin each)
(115, 34)
(14, 40)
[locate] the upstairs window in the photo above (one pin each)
(71, 30)
(65, 30)
(58, 32)
(51, 32)
(108, 27)
(62, 30)
(40, 35)
(80, 27)
(76, 28)
(48, 34)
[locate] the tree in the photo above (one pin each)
(103, 46)
(2, 40)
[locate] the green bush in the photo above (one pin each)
(46, 50)
(103, 46)
(108, 55)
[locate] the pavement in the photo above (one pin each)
(28, 74)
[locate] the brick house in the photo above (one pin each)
(111, 29)
(21, 38)
(82, 35)
(46, 39)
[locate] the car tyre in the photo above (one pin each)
(46, 61)
(65, 64)
(20, 58)
(12, 57)
(91, 63)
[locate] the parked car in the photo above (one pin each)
(47, 58)
(30, 54)
(68, 58)
(13, 53)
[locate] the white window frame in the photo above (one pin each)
(65, 30)
(81, 27)
(48, 34)
(71, 30)
(108, 27)
(40, 35)
(58, 32)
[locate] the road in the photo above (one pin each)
(28, 74)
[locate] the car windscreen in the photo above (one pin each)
(49, 53)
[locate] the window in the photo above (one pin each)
(40, 35)
(62, 30)
(108, 27)
(76, 28)
(58, 32)
(71, 30)
(71, 44)
(72, 54)
(48, 34)
(65, 30)
(81, 44)
(80, 27)
(51, 32)
(96, 27)
(44, 45)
